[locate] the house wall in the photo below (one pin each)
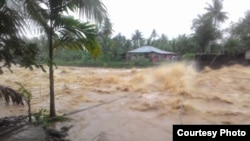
(154, 57)
(166, 57)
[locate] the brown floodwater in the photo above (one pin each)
(138, 104)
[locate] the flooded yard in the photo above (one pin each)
(136, 104)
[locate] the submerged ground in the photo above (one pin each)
(141, 104)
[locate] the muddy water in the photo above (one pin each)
(151, 100)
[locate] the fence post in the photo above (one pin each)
(40, 91)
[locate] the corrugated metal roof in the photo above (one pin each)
(148, 49)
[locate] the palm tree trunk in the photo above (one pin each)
(51, 70)
(215, 23)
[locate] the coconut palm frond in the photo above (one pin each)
(76, 35)
(9, 20)
(13, 49)
(90, 9)
(215, 11)
(9, 95)
(37, 15)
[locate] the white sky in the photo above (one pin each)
(171, 17)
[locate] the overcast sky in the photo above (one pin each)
(169, 17)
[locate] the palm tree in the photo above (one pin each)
(137, 38)
(215, 11)
(66, 31)
(106, 28)
(205, 32)
(154, 35)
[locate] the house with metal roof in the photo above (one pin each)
(152, 53)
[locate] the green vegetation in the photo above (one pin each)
(13, 49)
(27, 94)
(189, 56)
(69, 41)
(74, 58)
(42, 118)
(207, 37)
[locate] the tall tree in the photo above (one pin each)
(217, 15)
(215, 11)
(241, 30)
(204, 32)
(105, 31)
(233, 46)
(164, 43)
(137, 38)
(153, 36)
(65, 31)
(185, 44)
(106, 28)
(121, 47)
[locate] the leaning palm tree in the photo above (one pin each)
(215, 11)
(65, 31)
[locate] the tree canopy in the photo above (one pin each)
(13, 49)
(214, 10)
(62, 31)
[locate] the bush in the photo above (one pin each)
(189, 56)
(142, 62)
(42, 118)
